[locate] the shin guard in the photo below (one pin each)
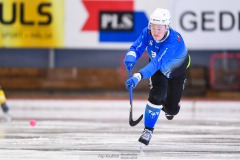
(151, 115)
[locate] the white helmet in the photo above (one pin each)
(160, 16)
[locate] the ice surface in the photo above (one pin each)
(99, 129)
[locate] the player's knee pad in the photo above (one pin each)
(156, 96)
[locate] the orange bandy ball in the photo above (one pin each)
(33, 122)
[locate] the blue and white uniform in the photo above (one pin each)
(167, 55)
(167, 69)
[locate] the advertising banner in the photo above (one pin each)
(208, 24)
(108, 24)
(115, 24)
(31, 23)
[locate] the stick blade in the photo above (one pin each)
(132, 122)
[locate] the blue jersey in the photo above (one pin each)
(168, 55)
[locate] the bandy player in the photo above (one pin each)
(166, 69)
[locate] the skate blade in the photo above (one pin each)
(142, 146)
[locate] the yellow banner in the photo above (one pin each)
(31, 23)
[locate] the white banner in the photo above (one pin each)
(204, 24)
(208, 24)
(107, 24)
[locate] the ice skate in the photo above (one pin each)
(6, 114)
(146, 136)
(168, 116)
(142, 149)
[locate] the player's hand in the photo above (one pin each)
(130, 60)
(133, 81)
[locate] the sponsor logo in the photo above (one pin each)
(151, 42)
(153, 115)
(115, 21)
(153, 54)
(209, 21)
(159, 59)
(19, 12)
